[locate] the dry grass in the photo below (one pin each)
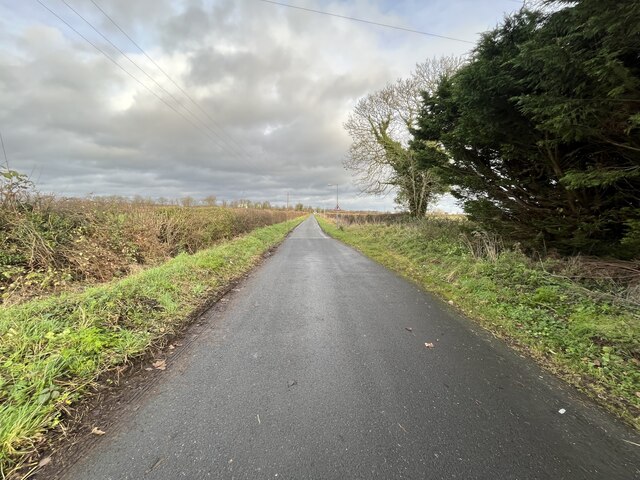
(618, 279)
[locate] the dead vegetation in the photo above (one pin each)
(50, 244)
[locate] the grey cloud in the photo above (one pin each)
(280, 82)
(209, 65)
(187, 28)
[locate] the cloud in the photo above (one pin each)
(272, 86)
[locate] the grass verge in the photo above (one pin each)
(589, 339)
(52, 349)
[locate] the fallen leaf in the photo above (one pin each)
(160, 364)
(44, 461)
(638, 394)
(97, 431)
(429, 345)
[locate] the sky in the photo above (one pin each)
(251, 106)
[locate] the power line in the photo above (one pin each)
(112, 60)
(231, 139)
(6, 160)
(366, 21)
(150, 77)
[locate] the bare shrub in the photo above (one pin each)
(483, 245)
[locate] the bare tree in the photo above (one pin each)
(210, 200)
(380, 127)
(187, 201)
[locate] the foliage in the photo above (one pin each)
(52, 349)
(14, 187)
(541, 128)
(590, 336)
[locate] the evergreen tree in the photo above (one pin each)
(542, 128)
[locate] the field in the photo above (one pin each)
(579, 317)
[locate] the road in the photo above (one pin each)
(310, 371)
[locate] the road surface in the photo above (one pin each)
(311, 372)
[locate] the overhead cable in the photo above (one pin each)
(178, 102)
(229, 137)
(112, 60)
(366, 21)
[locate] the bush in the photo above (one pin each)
(50, 244)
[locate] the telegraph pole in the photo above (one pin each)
(337, 203)
(6, 160)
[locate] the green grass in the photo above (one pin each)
(590, 339)
(52, 349)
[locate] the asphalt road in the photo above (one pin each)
(310, 372)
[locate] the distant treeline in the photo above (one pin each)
(189, 201)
